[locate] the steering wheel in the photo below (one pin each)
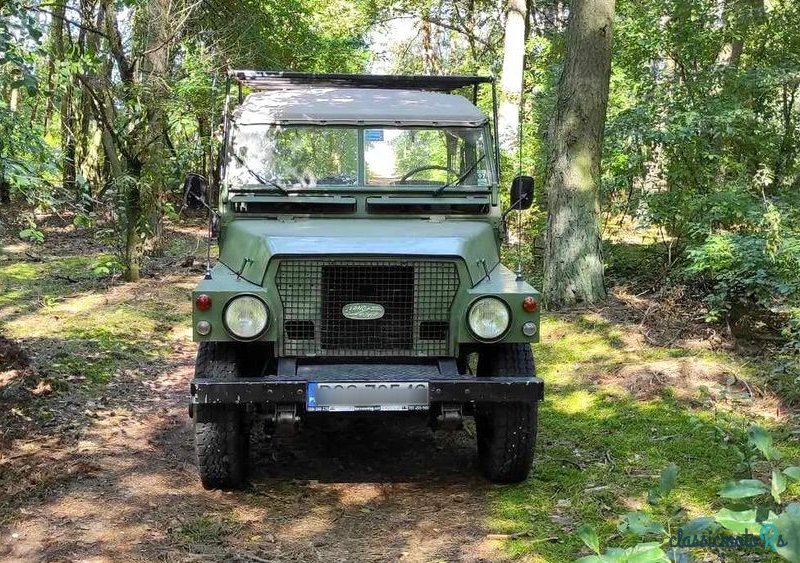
(419, 169)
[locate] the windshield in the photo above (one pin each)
(298, 157)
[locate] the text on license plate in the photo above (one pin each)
(366, 396)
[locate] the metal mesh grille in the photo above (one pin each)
(415, 296)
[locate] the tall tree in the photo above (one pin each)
(136, 152)
(512, 74)
(573, 267)
(739, 16)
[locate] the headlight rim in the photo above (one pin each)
(225, 313)
(507, 329)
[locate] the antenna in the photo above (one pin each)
(207, 275)
(211, 215)
(519, 213)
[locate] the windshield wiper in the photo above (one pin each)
(255, 175)
(461, 178)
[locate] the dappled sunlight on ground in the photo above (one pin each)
(100, 467)
(575, 402)
(605, 349)
(620, 407)
(96, 454)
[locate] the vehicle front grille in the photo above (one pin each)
(415, 297)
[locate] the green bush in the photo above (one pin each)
(753, 273)
(765, 509)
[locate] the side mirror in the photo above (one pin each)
(522, 193)
(195, 191)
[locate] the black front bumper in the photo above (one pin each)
(445, 384)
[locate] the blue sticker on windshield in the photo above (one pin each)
(373, 135)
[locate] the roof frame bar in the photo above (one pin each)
(279, 80)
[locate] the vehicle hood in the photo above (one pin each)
(249, 244)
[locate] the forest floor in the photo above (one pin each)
(96, 455)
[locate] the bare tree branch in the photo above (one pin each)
(71, 22)
(115, 42)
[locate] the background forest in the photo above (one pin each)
(106, 105)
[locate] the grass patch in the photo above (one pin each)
(26, 287)
(207, 529)
(601, 450)
(83, 328)
(77, 362)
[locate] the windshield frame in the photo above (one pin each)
(362, 186)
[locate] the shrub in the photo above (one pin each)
(752, 275)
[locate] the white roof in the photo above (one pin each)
(356, 106)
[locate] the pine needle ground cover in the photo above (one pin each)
(96, 446)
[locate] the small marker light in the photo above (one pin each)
(203, 302)
(530, 304)
(203, 328)
(529, 329)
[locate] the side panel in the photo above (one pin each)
(222, 287)
(500, 283)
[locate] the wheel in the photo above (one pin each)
(506, 431)
(221, 432)
(221, 441)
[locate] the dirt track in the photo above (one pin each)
(96, 453)
(124, 487)
(105, 471)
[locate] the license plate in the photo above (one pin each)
(366, 396)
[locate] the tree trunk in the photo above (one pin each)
(136, 160)
(788, 148)
(60, 33)
(155, 70)
(5, 190)
(68, 143)
(5, 186)
(512, 74)
(573, 267)
(428, 52)
(90, 140)
(133, 241)
(57, 45)
(739, 18)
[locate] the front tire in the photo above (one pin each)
(506, 431)
(221, 442)
(222, 432)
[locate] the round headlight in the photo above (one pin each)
(246, 316)
(489, 318)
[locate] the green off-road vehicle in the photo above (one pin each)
(359, 226)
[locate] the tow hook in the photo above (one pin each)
(451, 418)
(284, 418)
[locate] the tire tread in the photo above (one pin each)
(506, 431)
(221, 432)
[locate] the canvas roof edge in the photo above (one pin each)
(314, 105)
(280, 80)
